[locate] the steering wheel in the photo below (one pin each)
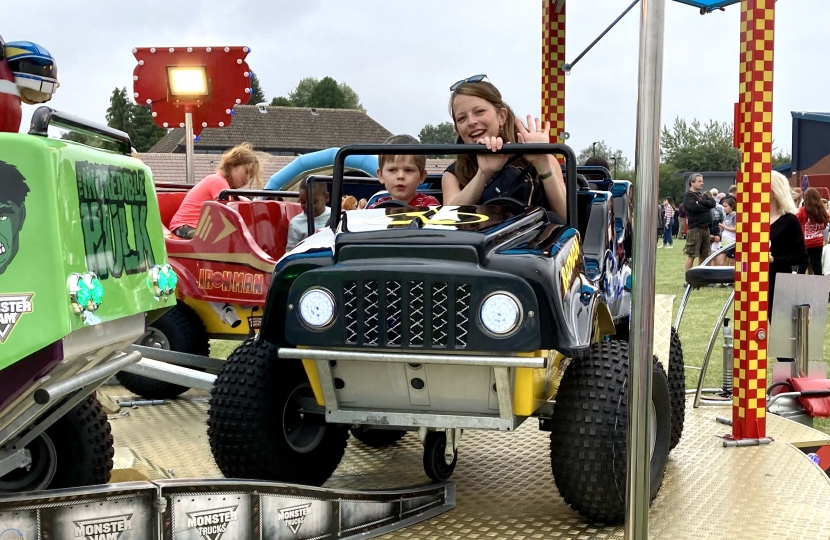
(506, 201)
(391, 203)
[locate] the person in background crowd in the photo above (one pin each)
(798, 196)
(733, 192)
(728, 228)
(661, 222)
(786, 246)
(717, 218)
(699, 215)
(681, 231)
(813, 217)
(668, 223)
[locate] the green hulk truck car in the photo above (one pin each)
(83, 271)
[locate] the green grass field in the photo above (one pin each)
(698, 321)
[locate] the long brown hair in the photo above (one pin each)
(812, 205)
(466, 166)
(242, 154)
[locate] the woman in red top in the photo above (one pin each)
(238, 168)
(814, 219)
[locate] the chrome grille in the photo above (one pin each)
(416, 313)
(393, 313)
(407, 313)
(439, 314)
(350, 310)
(462, 315)
(371, 319)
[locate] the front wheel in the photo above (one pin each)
(589, 427)
(257, 425)
(180, 329)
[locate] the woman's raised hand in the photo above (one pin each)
(534, 132)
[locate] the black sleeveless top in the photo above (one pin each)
(517, 183)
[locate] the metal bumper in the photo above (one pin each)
(505, 421)
(416, 358)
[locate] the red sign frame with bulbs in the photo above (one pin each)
(228, 78)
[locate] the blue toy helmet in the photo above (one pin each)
(34, 69)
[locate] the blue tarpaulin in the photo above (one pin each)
(709, 4)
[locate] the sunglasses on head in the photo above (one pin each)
(474, 78)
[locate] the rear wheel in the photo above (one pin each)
(589, 427)
(677, 389)
(259, 425)
(75, 451)
(180, 329)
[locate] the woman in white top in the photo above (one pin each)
(727, 231)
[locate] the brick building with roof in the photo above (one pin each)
(281, 131)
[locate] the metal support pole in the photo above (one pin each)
(553, 78)
(752, 240)
(188, 142)
(652, 19)
(802, 340)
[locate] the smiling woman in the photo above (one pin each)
(480, 116)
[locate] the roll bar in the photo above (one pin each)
(453, 149)
(44, 116)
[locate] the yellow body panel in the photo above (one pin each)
(529, 388)
(314, 380)
(215, 325)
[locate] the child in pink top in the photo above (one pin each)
(238, 168)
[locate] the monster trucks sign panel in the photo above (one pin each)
(69, 209)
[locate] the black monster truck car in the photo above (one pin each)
(444, 319)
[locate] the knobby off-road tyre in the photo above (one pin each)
(677, 389)
(183, 331)
(75, 451)
(254, 425)
(84, 446)
(377, 438)
(590, 423)
(677, 381)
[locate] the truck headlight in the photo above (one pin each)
(501, 314)
(85, 292)
(162, 280)
(317, 308)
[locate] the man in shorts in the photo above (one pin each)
(698, 205)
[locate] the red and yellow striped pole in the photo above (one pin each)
(553, 77)
(752, 263)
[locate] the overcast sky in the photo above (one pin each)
(401, 57)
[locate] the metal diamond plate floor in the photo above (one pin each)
(506, 490)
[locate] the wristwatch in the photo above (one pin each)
(546, 175)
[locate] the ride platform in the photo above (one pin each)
(504, 484)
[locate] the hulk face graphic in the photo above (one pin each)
(13, 190)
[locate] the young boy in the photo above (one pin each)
(401, 175)
(298, 226)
